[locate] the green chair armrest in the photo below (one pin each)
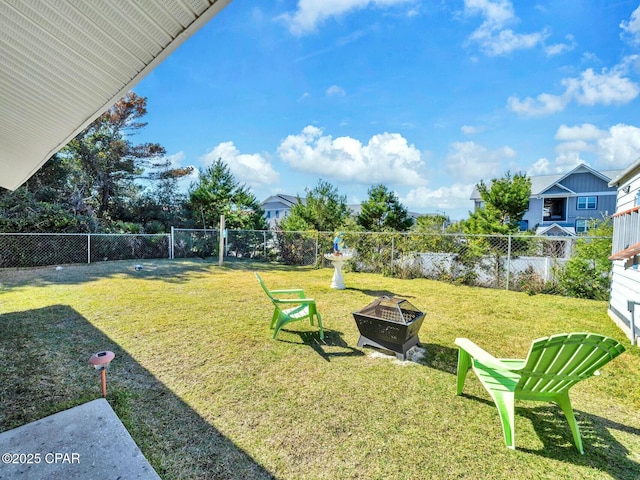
(484, 357)
(295, 300)
(297, 291)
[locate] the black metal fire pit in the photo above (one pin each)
(391, 323)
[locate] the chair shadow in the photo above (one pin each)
(332, 338)
(379, 293)
(602, 450)
(440, 357)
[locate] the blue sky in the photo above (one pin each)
(427, 98)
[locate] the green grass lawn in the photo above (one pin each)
(207, 393)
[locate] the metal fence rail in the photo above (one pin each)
(513, 262)
(41, 249)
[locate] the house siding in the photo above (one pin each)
(625, 283)
(625, 278)
(586, 182)
(606, 205)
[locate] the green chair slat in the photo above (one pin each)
(554, 364)
(299, 307)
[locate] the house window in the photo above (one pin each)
(268, 213)
(582, 226)
(554, 210)
(637, 198)
(587, 203)
(277, 213)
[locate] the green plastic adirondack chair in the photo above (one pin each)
(554, 365)
(300, 308)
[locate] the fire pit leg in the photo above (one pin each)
(399, 350)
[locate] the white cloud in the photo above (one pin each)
(311, 13)
(559, 48)
(444, 198)
(492, 36)
(613, 148)
(470, 129)
(631, 29)
(590, 88)
(471, 162)
(577, 139)
(252, 169)
(606, 88)
(621, 147)
(336, 91)
(386, 158)
(543, 104)
(541, 167)
(586, 131)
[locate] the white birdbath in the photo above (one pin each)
(338, 261)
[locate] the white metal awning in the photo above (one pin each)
(64, 62)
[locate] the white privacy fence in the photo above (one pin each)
(511, 262)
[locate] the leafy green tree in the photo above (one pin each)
(505, 202)
(382, 211)
(43, 204)
(431, 223)
(217, 193)
(325, 210)
(108, 162)
(587, 274)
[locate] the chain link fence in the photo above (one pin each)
(41, 249)
(518, 262)
(514, 262)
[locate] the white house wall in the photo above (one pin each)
(625, 286)
(625, 279)
(628, 200)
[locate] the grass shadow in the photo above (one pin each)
(379, 293)
(602, 450)
(440, 357)
(324, 348)
(44, 355)
(170, 271)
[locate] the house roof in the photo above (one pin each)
(541, 183)
(287, 200)
(626, 175)
(556, 230)
(64, 62)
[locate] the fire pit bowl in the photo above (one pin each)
(390, 323)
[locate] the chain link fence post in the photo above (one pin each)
(507, 277)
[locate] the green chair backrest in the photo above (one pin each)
(264, 287)
(556, 363)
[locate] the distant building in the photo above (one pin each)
(277, 207)
(624, 302)
(564, 204)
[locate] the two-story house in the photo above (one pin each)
(564, 204)
(277, 207)
(624, 302)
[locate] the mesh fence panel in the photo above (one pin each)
(42, 249)
(525, 263)
(195, 243)
(106, 247)
(35, 250)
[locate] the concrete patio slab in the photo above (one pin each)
(87, 442)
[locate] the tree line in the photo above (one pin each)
(103, 182)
